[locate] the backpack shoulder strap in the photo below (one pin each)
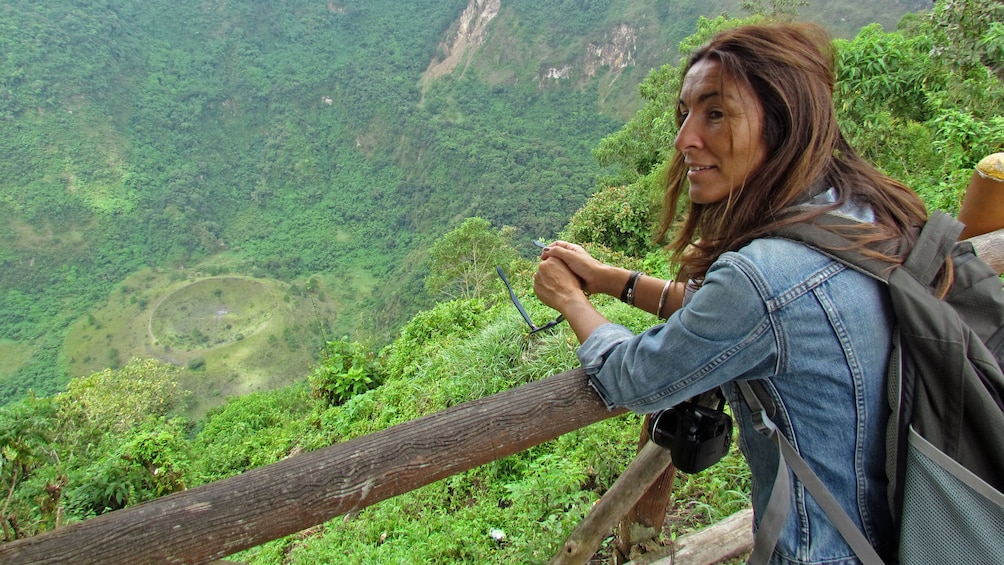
(834, 245)
(934, 245)
(937, 238)
(779, 504)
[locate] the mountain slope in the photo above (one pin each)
(294, 141)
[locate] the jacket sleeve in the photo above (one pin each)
(723, 333)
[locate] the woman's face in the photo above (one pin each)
(721, 135)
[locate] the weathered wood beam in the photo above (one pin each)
(990, 248)
(221, 518)
(646, 467)
(723, 540)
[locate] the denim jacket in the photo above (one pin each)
(818, 334)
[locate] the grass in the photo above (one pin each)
(231, 334)
(13, 355)
(212, 312)
(534, 498)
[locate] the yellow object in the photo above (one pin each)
(983, 205)
(992, 167)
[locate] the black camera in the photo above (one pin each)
(697, 436)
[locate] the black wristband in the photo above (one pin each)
(627, 295)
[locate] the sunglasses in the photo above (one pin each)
(534, 328)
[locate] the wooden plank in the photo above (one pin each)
(732, 537)
(990, 248)
(727, 539)
(644, 521)
(218, 519)
(648, 466)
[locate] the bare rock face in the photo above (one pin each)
(471, 29)
(617, 51)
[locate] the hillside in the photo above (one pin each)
(924, 103)
(306, 144)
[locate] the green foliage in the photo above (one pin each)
(250, 431)
(880, 71)
(430, 331)
(644, 142)
(618, 217)
(101, 445)
(345, 370)
(923, 122)
(970, 34)
(292, 136)
(26, 432)
(153, 460)
(117, 400)
(780, 10)
(462, 262)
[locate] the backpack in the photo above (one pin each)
(945, 441)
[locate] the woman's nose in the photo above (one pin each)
(687, 137)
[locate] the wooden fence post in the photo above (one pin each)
(990, 248)
(651, 461)
(643, 522)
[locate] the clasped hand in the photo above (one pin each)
(566, 271)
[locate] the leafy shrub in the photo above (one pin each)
(618, 217)
(429, 330)
(250, 431)
(151, 461)
(117, 400)
(345, 370)
(26, 434)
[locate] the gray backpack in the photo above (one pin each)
(945, 446)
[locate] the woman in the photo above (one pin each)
(758, 148)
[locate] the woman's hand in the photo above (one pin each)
(556, 285)
(559, 287)
(594, 277)
(652, 294)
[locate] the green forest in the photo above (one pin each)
(307, 145)
(230, 233)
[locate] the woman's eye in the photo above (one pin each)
(716, 114)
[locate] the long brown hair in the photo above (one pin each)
(789, 68)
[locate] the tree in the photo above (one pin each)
(119, 400)
(25, 444)
(618, 217)
(780, 10)
(971, 33)
(462, 262)
(145, 462)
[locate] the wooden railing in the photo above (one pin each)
(218, 519)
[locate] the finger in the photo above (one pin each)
(565, 245)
